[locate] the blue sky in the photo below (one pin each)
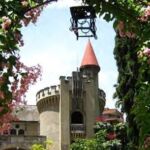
(51, 44)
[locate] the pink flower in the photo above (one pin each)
(6, 23)
(146, 15)
(147, 52)
(122, 32)
(18, 38)
(31, 16)
(22, 82)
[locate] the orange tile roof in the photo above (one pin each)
(111, 111)
(89, 57)
(110, 115)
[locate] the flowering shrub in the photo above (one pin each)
(122, 32)
(146, 14)
(15, 77)
(132, 25)
(103, 139)
(146, 52)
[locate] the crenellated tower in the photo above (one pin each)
(81, 100)
(48, 108)
(69, 111)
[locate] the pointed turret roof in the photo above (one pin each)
(89, 58)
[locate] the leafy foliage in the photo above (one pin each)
(45, 146)
(133, 87)
(133, 13)
(132, 53)
(102, 140)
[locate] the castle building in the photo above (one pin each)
(63, 112)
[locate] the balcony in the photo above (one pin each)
(77, 131)
(77, 128)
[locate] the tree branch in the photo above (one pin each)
(40, 4)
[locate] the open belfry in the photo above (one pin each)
(64, 112)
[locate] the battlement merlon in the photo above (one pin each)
(65, 79)
(48, 91)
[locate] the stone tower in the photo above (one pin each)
(69, 111)
(48, 107)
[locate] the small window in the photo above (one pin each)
(17, 126)
(21, 132)
(6, 132)
(13, 132)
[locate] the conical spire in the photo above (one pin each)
(89, 58)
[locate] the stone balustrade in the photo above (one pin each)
(77, 135)
(77, 128)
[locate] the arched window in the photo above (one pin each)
(13, 132)
(21, 132)
(77, 118)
